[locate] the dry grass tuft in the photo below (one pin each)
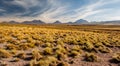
(4, 54)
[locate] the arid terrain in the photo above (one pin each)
(59, 45)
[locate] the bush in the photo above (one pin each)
(61, 49)
(107, 44)
(3, 64)
(63, 64)
(97, 45)
(4, 54)
(116, 58)
(48, 44)
(76, 48)
(11, 47)
(43, 63)
(60, 56)
(31, 45)
(91, 57)
(15, 60)
(48, 51)
(74, 53)
(33, 63)
(13, 52)
(2, 40)
(23, 47)
(38, 43)
(47, 61)
(36, 54)
(88, 46)
(21, 55)
(104, 49)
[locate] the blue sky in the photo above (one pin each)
(62, 10)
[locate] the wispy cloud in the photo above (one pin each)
(52, 10)
(2, 10)
(81, 12)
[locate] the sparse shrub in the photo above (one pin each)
(20, 37)
(15, 60)
(91, 57)
(21, 55)
(72, 41)
(31, 45)
(97, 45)
(38, 43)
(12, 41)
(61, 49)
(76, 48)
(71, 62)
(74, 53)
(117, 44)
(30, 40)
(104, 49)
(13, 52)
(3, 64)
(47, 61)
(11, 47)
(43, 63)
(33, 63)
(47, 45)
(88, 46)
(4, 54)
(60, 42)
(48, 51)
(36, 54)
(2, 40)
(116, 58)
(107, 44)
(60, 56)
(63, 64)
(23, 47)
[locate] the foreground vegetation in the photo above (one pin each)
(55, 45)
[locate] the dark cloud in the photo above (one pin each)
(9, 8)
(23, 7)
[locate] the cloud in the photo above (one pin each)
(41, 9)
(24, 7)
(114, 18)
(79, 13)
(65, 15)
(52, 10)
(2, 10)
(62, 13)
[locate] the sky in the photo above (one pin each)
(62, 10)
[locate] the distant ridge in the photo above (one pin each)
(111, 23)
(69, 23)
(13, 22)
(33, 22)
(81, 21)
(77, 22)
(57, 22)
(115, 22)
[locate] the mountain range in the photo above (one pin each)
(33, 22)
(57, 22)
(80, 21)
